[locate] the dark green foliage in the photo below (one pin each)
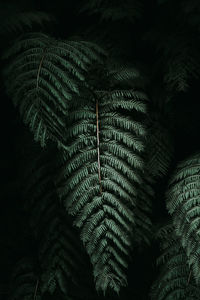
(45, 75)
(175, 280)
(101, 174)
(63, 264)
(115, 10)
(182, 62)
(25, 284)
(159, 148)
(15, 20)
(143, 229)
(177, 44)
(105, 119)
(183, 200)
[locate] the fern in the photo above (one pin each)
(120, 11)
(62, 260)
(183, 204)
(175, 280)
(14, 21)
(100, 176)
(159, 147)
(143, 229)
(182, 64)
(43, 76)
(25, 284)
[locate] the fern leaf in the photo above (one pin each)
(183, 204)
(42, 78)
(25, 284)
(159, 147)
(113, 11)
(100, 176)
(143, 229)
(61, 257)
(175, 280)
(15, 20)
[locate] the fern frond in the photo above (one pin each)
(175, 280)
(180, 61)
(100, 176)
(183, 66)
(22, 21)
(143, 229)
(16, 20)
(112, 11)
(61, 255)
(25, 284)
(159, 147)
(183, 200)
(43, 76)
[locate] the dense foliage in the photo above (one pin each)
(106, 161)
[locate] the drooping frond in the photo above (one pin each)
(175, 279)
(61, 255)
(43, 76)
(115, 11)
(143, 229)
(183, 200)
(182, 64)
(25, 284)
(159, 148)
(15, 21)
(101, 172)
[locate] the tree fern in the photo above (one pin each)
(183, 204)
(175, 280)
(45, 74)
(101, 172)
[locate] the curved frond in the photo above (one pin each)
(98, 183)
(25, 284)
(43, 76)
(159, 149)
(18, 22)
(183, 201)
(64, 265)
(175, 280)
(114, 11)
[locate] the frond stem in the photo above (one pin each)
(36, 288)
(189, 277)
(39, 69)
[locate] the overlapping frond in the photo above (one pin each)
(63, 264)
(102, 169)
(143, 229)
(43, 76)
(175, 280)
(183, 200)
(182, 64)
(126, 10)
(25, 284)
(16, 21)
(159, 149)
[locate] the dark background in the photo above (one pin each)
(15, 238)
